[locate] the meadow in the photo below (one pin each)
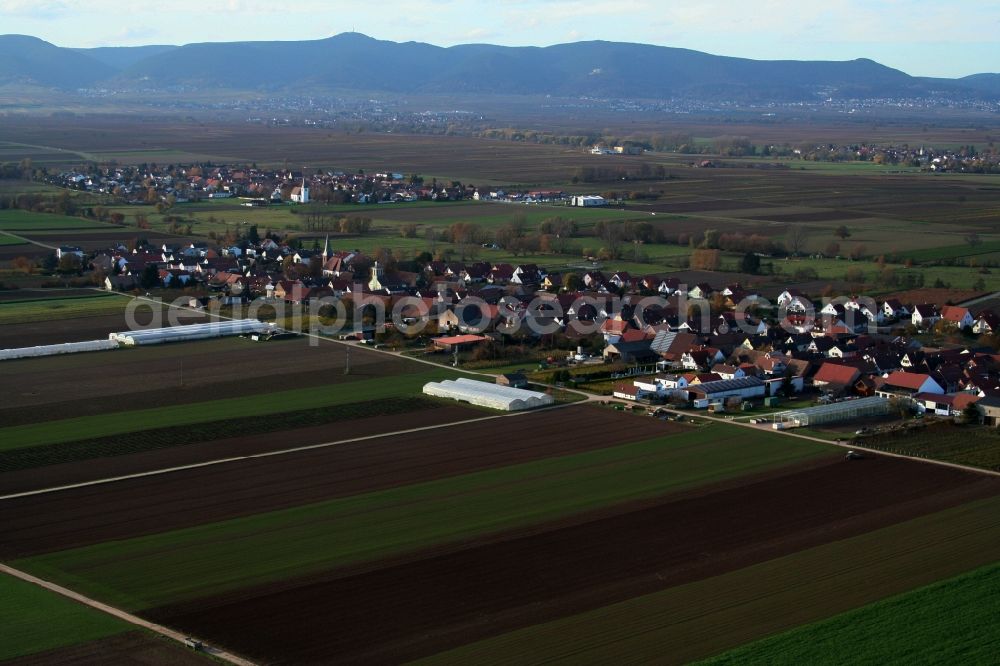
(43, 309)
(25, 222)
(934, 624)
(35, 620)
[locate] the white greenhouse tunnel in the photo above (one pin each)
(482, 394)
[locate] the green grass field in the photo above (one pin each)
(33, 620)
(24, 221)
(6, 240)
(951, 621)
(162, 568)
(704, 618)
(45, 309)
(276, 402)
(964, 251)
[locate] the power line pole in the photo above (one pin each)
(347, 360)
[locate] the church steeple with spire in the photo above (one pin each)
(327, 250)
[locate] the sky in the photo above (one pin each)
(948, 38)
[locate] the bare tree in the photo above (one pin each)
(611, 234)
(433, 236)
(796, 238)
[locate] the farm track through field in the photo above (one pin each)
(229, 448)
(450, 597)
(29, 241)
(181, 498)
(222, 655)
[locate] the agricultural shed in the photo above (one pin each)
(449, 342)
(482, 394)
(715, 392)
(512, 379)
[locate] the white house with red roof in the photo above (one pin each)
(958, 315)
(908, 384)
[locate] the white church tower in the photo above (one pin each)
(375, 283)
(301, 194)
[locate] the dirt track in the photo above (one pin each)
(154, 504)
(417, 607)
(104, 468)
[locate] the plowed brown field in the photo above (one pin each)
(417, 607)
(133, 648)
(185, 372)
(81, 516)
(104, 468)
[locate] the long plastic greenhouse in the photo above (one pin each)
(493, 396)
(214, 329)
(52, 350)
(837, 411)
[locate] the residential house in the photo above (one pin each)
(908, 384)
(959, 316)
(925, 315)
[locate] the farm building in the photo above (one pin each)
(832, 413)
(589, 200)
(513, 380)
(214, 329)
(493, 396)
(450, 342)
(708, 393)
(908, 384)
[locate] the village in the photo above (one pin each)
(168, 185)
(722, 347)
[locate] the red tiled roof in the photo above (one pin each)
(953, 313)
(910, 380)
(833, 373)
(458, 339)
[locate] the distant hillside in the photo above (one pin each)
(352, 61)
(30, 60)
(989, 83)
(121, 57)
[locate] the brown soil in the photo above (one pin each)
(29, 250)
(31, 293)
(817, 216)
(174, 374)
(934, 295)
(132, 648)
(73, 329)
(104, 468)
(146, 505)
(417, 607)
(697, 206)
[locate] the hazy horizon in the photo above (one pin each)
(919, 37)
